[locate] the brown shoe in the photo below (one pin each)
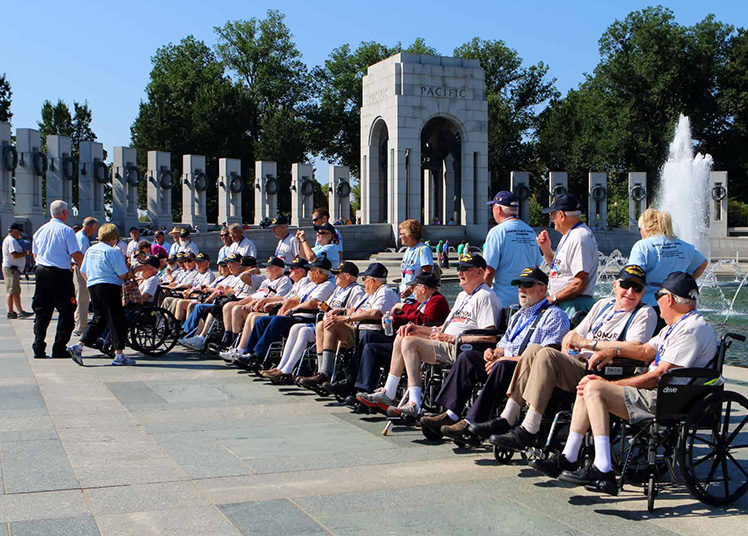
(313, 381)
(455, 431)
(266, 372)
(435, 422)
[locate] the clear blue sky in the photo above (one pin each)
(101, 50)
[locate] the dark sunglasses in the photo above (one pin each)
(526, 284)
(659, 294)
(317, 218)
(465, 268)
(631, 285)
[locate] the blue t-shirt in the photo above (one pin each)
(414, 258)
(333, 251)
(83, 241)
(659, 257)
(510, 248)
(103, 264)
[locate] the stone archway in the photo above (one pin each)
(375, 169)
(441, 164)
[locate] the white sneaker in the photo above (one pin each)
(230, 355)
(76, 354)
(197, 342)
(122, 359)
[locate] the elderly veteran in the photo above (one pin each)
(476, 307)
(241, 245)
(186, 245)
(347, 292)
(574, 264)
(300, 305)
(688, 341)
(198, 283)
(537, 322)
(287, 247)
(622, 318)
(339, 326)
(185, 305)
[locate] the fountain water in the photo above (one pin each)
(684, 188)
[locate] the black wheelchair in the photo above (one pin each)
(698, 433)
(151, 330)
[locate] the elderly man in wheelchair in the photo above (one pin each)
(687, 341)
(476, 307)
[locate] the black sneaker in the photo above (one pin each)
(340, 388)
(12, 316)
(493, 427)
(554, 465)
(592, 478)
(246, 361)
(25, 314)
(516, 439)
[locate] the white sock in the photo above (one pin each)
(78, 347)
(452, 415)
(390, 386)
(415, 395)
(531, 423)
(573, 443)
(511, 411)
(602, 454)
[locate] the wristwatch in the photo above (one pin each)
(594, 346)
(554, 299)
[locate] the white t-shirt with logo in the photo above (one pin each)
(382, 300)
(346, 297)
(604, 323)
(245, 247)
(689, 342)
(269, 288)
(479, 310)
(11, 245)
(287, 248)
(577, 252)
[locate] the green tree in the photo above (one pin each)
(6, 97)
(56, 120)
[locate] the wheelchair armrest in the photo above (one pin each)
(626, 362)
(689, 372)
(490, 332)
(370, 322)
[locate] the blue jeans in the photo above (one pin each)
(190, 325)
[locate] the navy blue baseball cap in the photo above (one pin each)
(505, 199)
(375, 269)
(565, 203)
(299, 262)
(681, 284)
(274, 261)
(322, 262)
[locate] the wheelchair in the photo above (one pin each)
(152, 331)
(695, 433)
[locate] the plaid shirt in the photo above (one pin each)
(550, 330)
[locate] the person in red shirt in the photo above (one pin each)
(375, 348)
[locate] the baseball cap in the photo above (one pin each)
(15, 227)
(531, 275)
(472, 261)
(234, 257)
(275, 222)
(203, 257)
(346, 267)
(274, 261)
(249, 261)
(505, 199)
(375, 269)
(634, 272)
(151, 261)
(184, 232)
(298, 262)
(172, 258)
(426, 279)
(328, 227)
(565, 203)
(321, 262)
(681, 284)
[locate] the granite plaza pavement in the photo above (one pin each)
(180, 446)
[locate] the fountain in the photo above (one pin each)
(684, 188)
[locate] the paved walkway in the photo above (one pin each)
(179, 446)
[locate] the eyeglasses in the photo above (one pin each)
(317, 218)
(636, 287)
(527, 284)
(465, 268)
(659, 294)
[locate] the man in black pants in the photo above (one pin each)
(537, 322)
(53, 247)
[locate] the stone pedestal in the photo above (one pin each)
(8, 163)
(302, 194)
(266, 190)
(125, 181)
(194, 190)
(160, 182)
(718, 204)
(598, 200)
(339, 193)
(519, 182)
(558, 184)
(637, 197)
(32, 165)
(61, 171)
(230, 186)
(92, 175)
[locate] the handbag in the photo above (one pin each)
(130, 292)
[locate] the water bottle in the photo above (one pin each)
(387, 321)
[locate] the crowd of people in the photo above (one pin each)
(309, 298)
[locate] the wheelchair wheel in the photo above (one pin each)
(651, 493)
(502, 455)
(154, 331)
(713, 452)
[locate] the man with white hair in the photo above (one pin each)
(54, 245)
(242, 245)
(574, 264)
(82, 297)
(510, 248)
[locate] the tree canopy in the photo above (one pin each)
(6, 97)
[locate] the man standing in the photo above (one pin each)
(54, 244)
(82, 298)
(132, 245)
(242, 245)
(574, 265)
(288, 247)
(160, 239)
(510, 248)
(14, 262)
(226, 241)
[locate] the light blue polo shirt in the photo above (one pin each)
(83, 241)
(103, 264)
(510, 248)
(53, 244)
(659, 257)
(333, 251)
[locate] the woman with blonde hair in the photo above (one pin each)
(661, 253)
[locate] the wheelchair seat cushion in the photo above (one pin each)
(640, 403)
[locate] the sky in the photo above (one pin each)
(101, 51)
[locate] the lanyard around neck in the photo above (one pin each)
(561, 243)
(667, 334)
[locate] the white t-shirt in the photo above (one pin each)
(11, 245)
(149, 286)
(576, 252)
(132, 246)
(689, 342)
(204, 279)
(287, 248)
(186, 277)
(346, 297)
(244, 248)
(122, 247)
(382, 300)
(280, 286)
(604, 323)
(241, 289)
(479, 310)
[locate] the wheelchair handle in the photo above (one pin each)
(736, 336)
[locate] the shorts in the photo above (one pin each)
(12, 280)
(444, 352)
(348, 336)
(640, 403)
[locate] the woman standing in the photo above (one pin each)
(417, 258)
(327, 244)
(105, 269)
(661, 253)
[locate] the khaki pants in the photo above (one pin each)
(170, 304)
(82, 299)
(539, 371)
